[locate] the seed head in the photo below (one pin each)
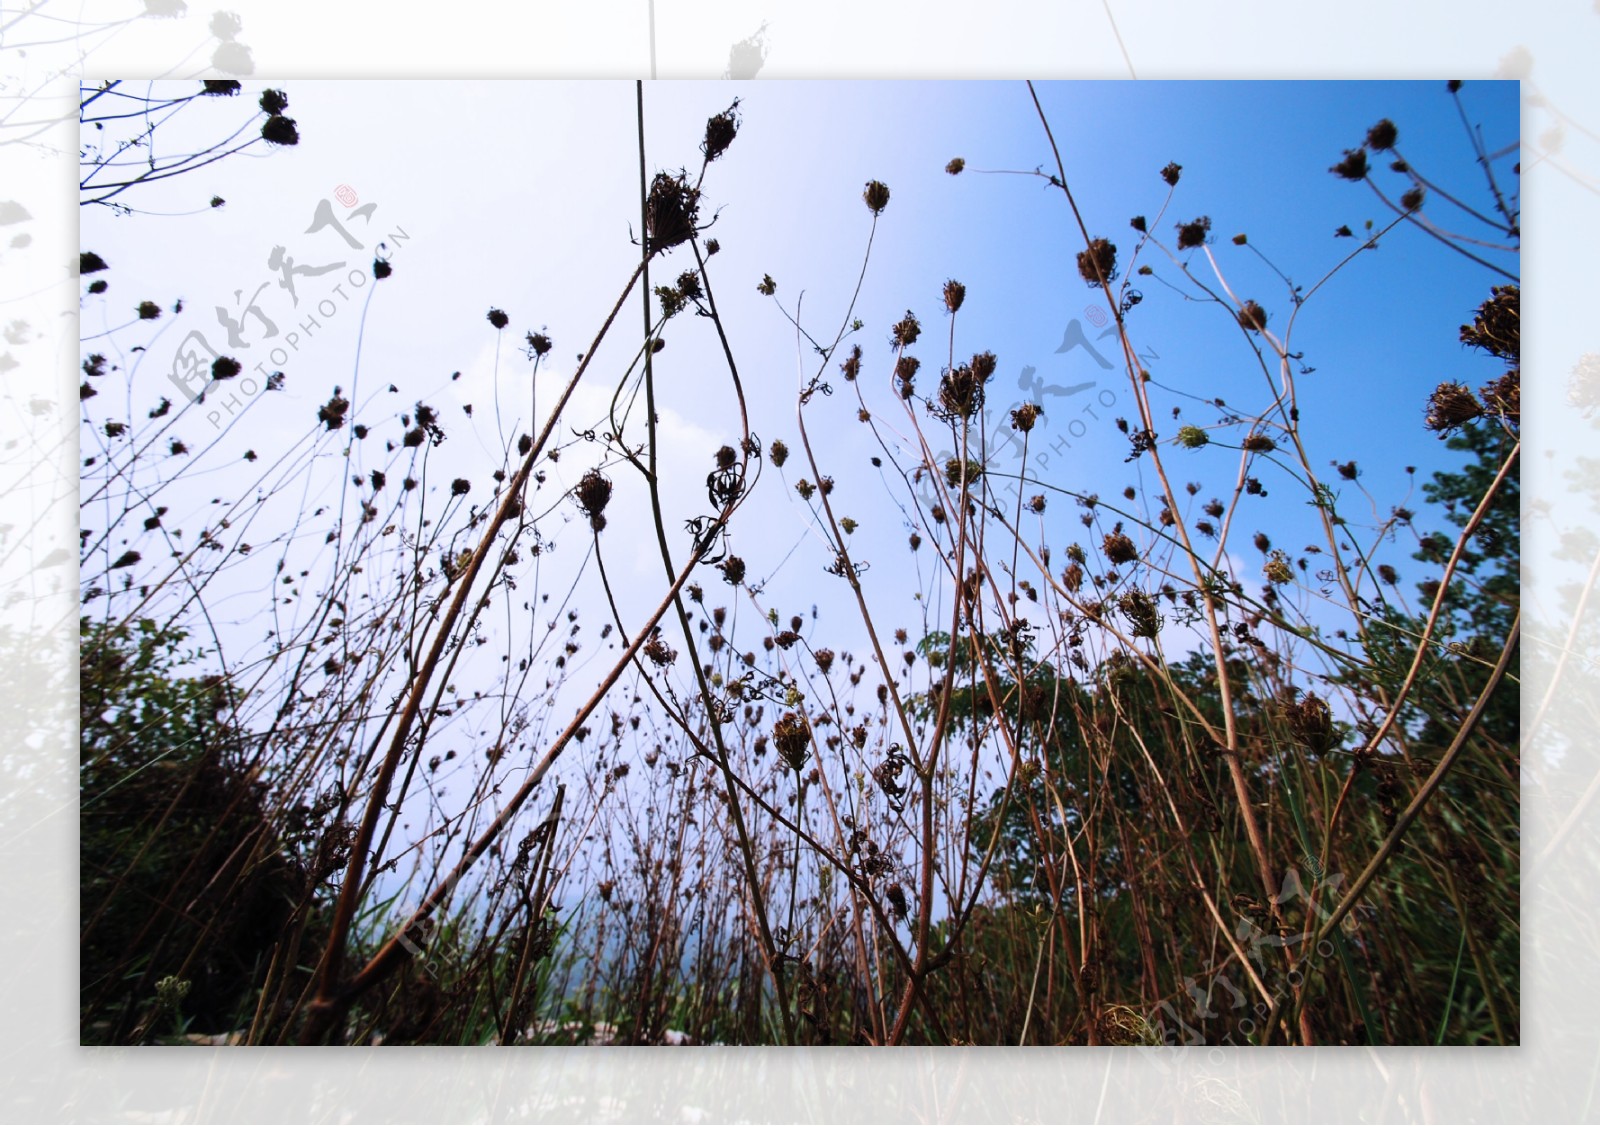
(1353, 166)
(593, 493)
(1382, 136)
(671, 211)
(720, 132)
(1119, 548)
(954, 294)
(1097, 265)
(1311, 722)
(1023, 418)
(280, 130)
(1503, 397)
(955, 166)
(1451, 406)
(851, 367)
(1497, 327)
(876, 196)
(793, 741)
(906, 330)
(1193, 233)
(1253, 317)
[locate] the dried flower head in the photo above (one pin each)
(779, 452)
(876, 195)
(955, 166)
(1259, 443)
(331, 414)
(960, 394)
(1193, 233)
(1277, 568)
(498, 318)
(1451, 406)
(671, 211)
(1497, 327)
(954, 294)
(851, 367)
(660, 653)
(280, 130)
(1382, 136)
(1192, 437)
(1411, 199)
(593, 493)
(720, 132)
(1023, 418)
(1311, 723)
(1253, 317)
(959, 472)
(1141, 613)
(1097, 265)
(1171, 173)
(1119, 548)
(906, 330)
(905, 373)
(1503, 397)
(1353, 166)
(792, 738)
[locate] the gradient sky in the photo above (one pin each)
(523, 196)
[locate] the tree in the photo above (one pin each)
(187, 889)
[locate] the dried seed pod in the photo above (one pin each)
(1097, 265)
(1119, 548)
(876, 195)
(720, 132)
(671, 211)
(1451, 406)
(792, 738)
(593, 493)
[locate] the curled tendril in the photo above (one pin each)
(724, 486)
(843, 567)
(888, 774)
(706, 530)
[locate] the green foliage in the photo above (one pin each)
(180, 876)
